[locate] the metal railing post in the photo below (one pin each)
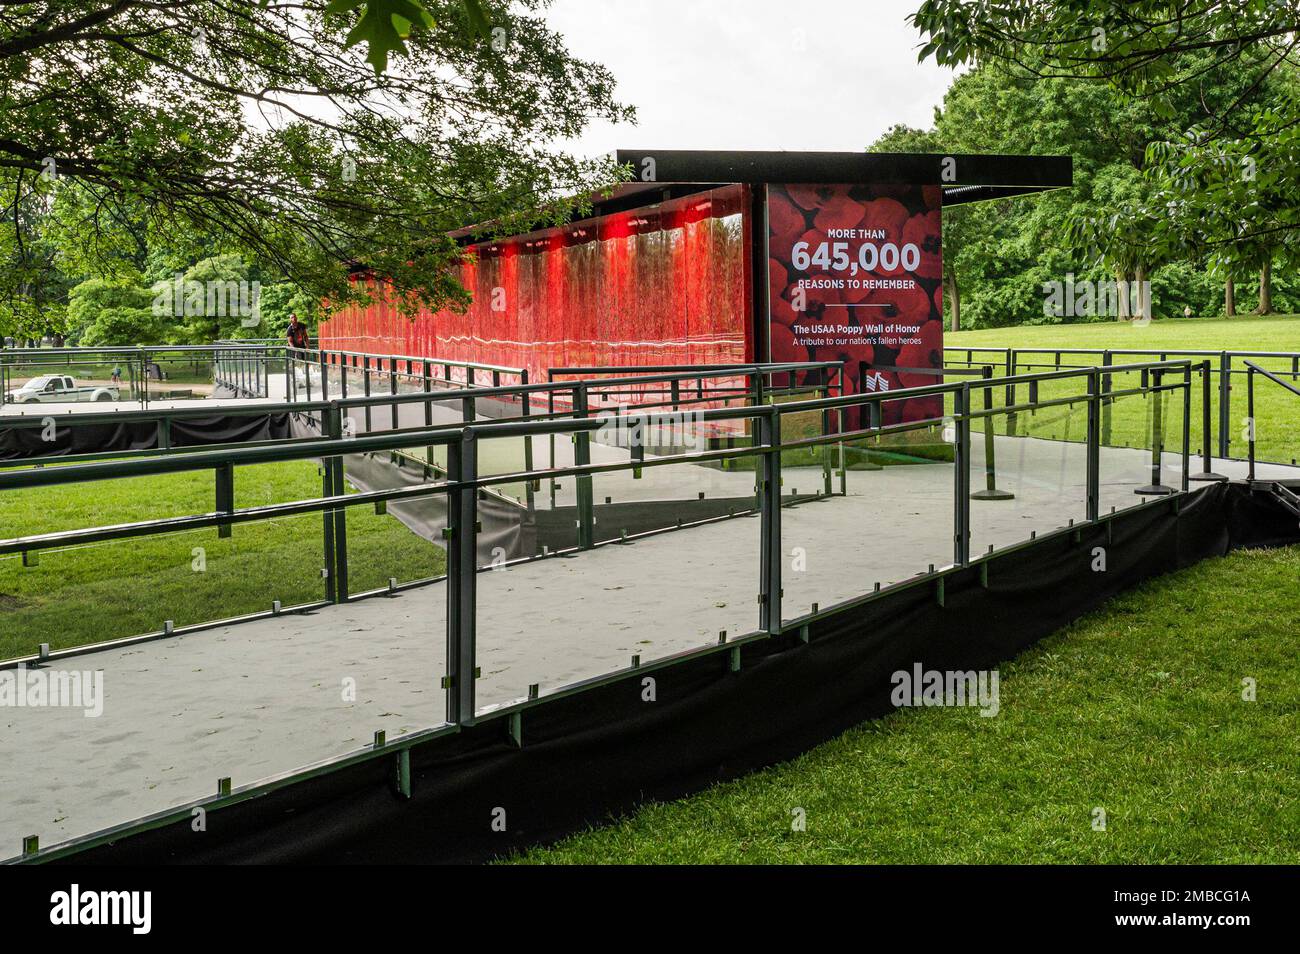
(990, 490)
(1092, 505)
(1010, 391)
(961, 482)
(1225, 399)
(1107, 385)
(1250, 422)
(828, 466)
(531, 485)
(1207, 435)
(392, 389)
(769, 502)
(550, 413)
(582, 457)
(462, 579)
(1187, 426)
(365, 385)
(336, 519)
(427, 382)
(1156, 488)
(225, 495)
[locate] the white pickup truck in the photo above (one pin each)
(58, 389)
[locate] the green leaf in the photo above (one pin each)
(477, 17)
(383, 25)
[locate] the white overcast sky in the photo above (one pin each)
(753, 74)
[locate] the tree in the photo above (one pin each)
(278, 302)
(33, 287)
(215, 299)
(122, 326)
(90, 299)
(1221, 187)
(301, 135)
(1148, 48)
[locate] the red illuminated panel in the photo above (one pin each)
(661, 285)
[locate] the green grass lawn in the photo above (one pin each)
(1277, 412)
(1136, 709)
(127, 587)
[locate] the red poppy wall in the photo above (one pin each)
(855, 273)
(662, 284)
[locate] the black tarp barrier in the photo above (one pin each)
(26, 442)
(603, 751)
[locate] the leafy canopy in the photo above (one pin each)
(1219, 186)
(303, 136)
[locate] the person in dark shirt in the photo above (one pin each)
(297, 334)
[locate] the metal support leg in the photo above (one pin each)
(337, 517)
(582, 457)
(1156, 488)
(462, 579)
(1207, 436)
(769, 495)
(1225, 401)
(1250, 422)
(990, 490)
(225, 495)
(961, 488)
(1093, 502)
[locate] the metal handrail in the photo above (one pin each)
(464, 484)
(1251, 370)
(336, 445)
(1224, 368)
(163, 418)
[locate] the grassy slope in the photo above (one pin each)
(1135, 709)
(127, 587)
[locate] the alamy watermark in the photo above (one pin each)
(23, 688)
(78, 906)
(936, 687)
(1095, 299)
(216, 298)
(658, 429)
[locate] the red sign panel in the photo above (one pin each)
(855, 273)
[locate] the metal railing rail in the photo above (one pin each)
(243, 369)
(332, 447)
(465, 482)
(1225, 365)
(164, 418)
(392, 368)
(242, 359)
(1109, 395)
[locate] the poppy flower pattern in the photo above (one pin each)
(855, 274)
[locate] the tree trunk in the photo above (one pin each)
(1121, 295)
(1229, 298)
(953, 294)
(1265, 289)
(1143, 293)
